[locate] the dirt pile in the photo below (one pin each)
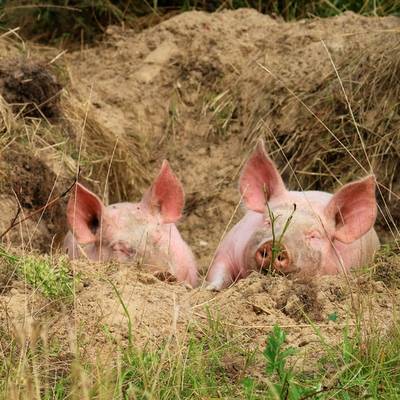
(30, 88)
(28, 184)
(110, 298)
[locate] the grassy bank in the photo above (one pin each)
(210, 360)
(81, 21)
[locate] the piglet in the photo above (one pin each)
(142, 232)
(312, 232)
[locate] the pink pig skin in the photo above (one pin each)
(143, 233)
(326, 234)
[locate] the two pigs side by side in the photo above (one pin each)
(290, 231)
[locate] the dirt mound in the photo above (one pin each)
(30, 178)
(31, 88)
(27, 185)
(116, 304)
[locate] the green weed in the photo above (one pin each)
(51, 281)
(52, 278)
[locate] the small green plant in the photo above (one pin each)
(276, 357)
(277, 241)
(53, 281)
(52, 278)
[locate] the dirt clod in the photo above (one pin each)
(31, 88)
(34, 184)
(300, 302)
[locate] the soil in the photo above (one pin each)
(157, 310)
(31, 88)
(192, 88)
(28, 184)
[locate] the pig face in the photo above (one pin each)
(300, 229)
(129, 232)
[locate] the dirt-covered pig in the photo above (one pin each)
(143, 232)
(291, 231)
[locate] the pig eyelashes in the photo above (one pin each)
(314, 235)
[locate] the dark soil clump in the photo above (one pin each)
(31, 88)
(35, 185)
(300, 302)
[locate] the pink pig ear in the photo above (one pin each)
(166, 195)
(260, 180)
(353, 208)
(84, 212)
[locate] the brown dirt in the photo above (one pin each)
(31, 88)
(27, 185)
(157, 309)
(190, 90)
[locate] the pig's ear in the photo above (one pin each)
(84, 212)
(353, 210)
(260, 180)
(165, 196)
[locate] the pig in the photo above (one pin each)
(142, 232)
(308, 232)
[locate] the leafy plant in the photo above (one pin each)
(276, 241)
(52, 279)
(276, 356)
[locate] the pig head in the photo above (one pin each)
(139, 233)
(311, 232)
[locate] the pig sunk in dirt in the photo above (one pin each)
(143, 233)
(310, 232)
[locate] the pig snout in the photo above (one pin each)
(270, 254)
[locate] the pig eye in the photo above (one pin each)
(314, 235)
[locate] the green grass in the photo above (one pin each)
(202, 369)
(84, 20)
(52, 279)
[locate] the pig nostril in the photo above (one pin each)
(269, 255)
(263, 255)
(282, 261)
